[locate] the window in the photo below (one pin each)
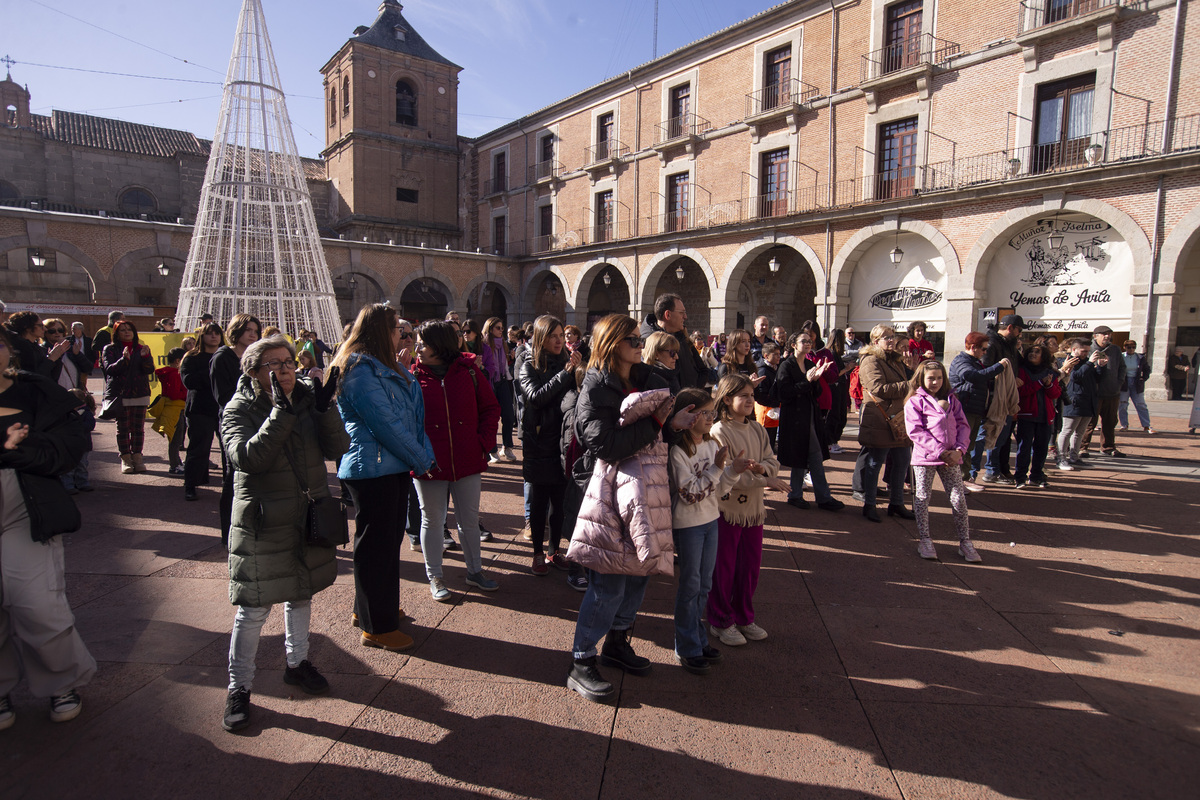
(406, 195)
(777, 77)
(1058, 10)
(604, 216)
(545, 220)
(773, 183)
(499, 224)
(897, 159)
(546, 149)
(406, 103)
(902, 37)
(346, 95)
(499, 172)
(137, 201)
(677, 201)
(604, 135)
(681, 99)
(332, 106)
(1063, 123)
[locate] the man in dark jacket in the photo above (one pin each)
(103, 337)
(672, 318)
(760, 336)
(969, 379)
(78, 335)
(1002, 343)
(25, 329)
(1108, 391)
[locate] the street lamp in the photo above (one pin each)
(679, 273)
(773, 264)
(37, 259)
(897, 255)
(353, 283)
(607, 279)
(1055, 238)
(164, 270)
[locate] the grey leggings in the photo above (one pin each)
(952, 482)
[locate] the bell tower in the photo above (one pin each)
(14, 101)
(391, 135)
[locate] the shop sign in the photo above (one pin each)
(905, 298)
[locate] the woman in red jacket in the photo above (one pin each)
(1038, 388)
(462, 416)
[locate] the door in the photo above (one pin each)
(902, 45)
(897, 159)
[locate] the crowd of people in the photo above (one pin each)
(646, 449)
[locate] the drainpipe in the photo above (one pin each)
(1168, 126)
(1154, 259)
(833, 54)
(634, 291)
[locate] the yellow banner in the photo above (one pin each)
(160, 344)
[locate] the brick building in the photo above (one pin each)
(855, 162)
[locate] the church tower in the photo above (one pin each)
(391, 136)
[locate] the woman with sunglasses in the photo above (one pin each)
(661, 354)
(384, 412)
(497, 363)
(617, 577)
(69, 367)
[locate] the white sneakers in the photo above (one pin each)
(736, 635)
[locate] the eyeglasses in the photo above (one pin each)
(671, 353)
(275, 366)
(806, 341)
(634, 341)
(56, 330)
(710, 414)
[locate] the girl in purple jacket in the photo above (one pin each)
(941, 438)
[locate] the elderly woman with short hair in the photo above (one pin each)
(661, 354)
(278, 432)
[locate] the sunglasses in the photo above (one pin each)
(634, 341)
(671, 353)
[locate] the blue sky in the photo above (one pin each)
(517, 55)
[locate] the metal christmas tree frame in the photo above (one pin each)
(255, 246)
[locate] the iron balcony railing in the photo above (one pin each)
(780, 96)
(1040, 13)
(495, 185)
(543, 170)
(685, 126)
(911, 52)
(602, 152)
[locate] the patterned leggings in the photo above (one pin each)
(131, 429)
(953, 484)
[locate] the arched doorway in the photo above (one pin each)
(424, 299)
(684, 277)
(883, 291)
(609, 294)
(44, 275)
(144, 284)
(485, 301)
(353, 291)
(779, 285)
(549, 296)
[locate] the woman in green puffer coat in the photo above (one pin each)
(275, 430)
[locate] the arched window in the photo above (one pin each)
(406, 103)
(332, 106)
(346, 95)
(137, 201)
(8, 191)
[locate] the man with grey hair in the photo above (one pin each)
(79, 335)
(760, 336)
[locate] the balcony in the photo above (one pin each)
(913, 60)
(604, 157)
(494, 186)
(683, 131)
(1042, 19)
(779, 101)
(545, 172)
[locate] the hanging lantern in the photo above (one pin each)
(897, 255)
(164, 270)
(773, 264)
(679, 273)
(1055, 238)
(607, 279)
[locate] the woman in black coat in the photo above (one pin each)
(128, 366)
(44, 436)
(802, 433)
(544, 378)
(201, 409)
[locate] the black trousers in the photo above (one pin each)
(225, 507)
(380, 506)
(201, 429)
(1106, 421)
(543, 498)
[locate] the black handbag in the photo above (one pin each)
(326, 522)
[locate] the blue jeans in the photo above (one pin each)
(814, 467)
(78, 477)
(508, 414)
(1033, 440)
(1139, 402)
(610, 604)
(870, 461)
(697, 548)
(997, 457)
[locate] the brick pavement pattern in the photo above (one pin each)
(1063, 666)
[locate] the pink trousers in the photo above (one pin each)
(735, 576)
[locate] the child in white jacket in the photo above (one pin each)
(700, 475)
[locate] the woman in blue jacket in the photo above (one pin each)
(970, 381)
(384, 413)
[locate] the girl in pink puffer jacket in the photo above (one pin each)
(941, 439)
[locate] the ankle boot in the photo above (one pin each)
(618, 652)
(870, 513)
(588, 681)
(126, 464)
(138, 464)
(898, 510)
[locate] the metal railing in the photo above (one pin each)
(1040, 13)
(685, 126)
(543, 170)
(780, 96)
(601, 152)
(911, 52)
(495, 186)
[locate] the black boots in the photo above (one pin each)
(588, 681)
(897, 510)
(617, 652)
